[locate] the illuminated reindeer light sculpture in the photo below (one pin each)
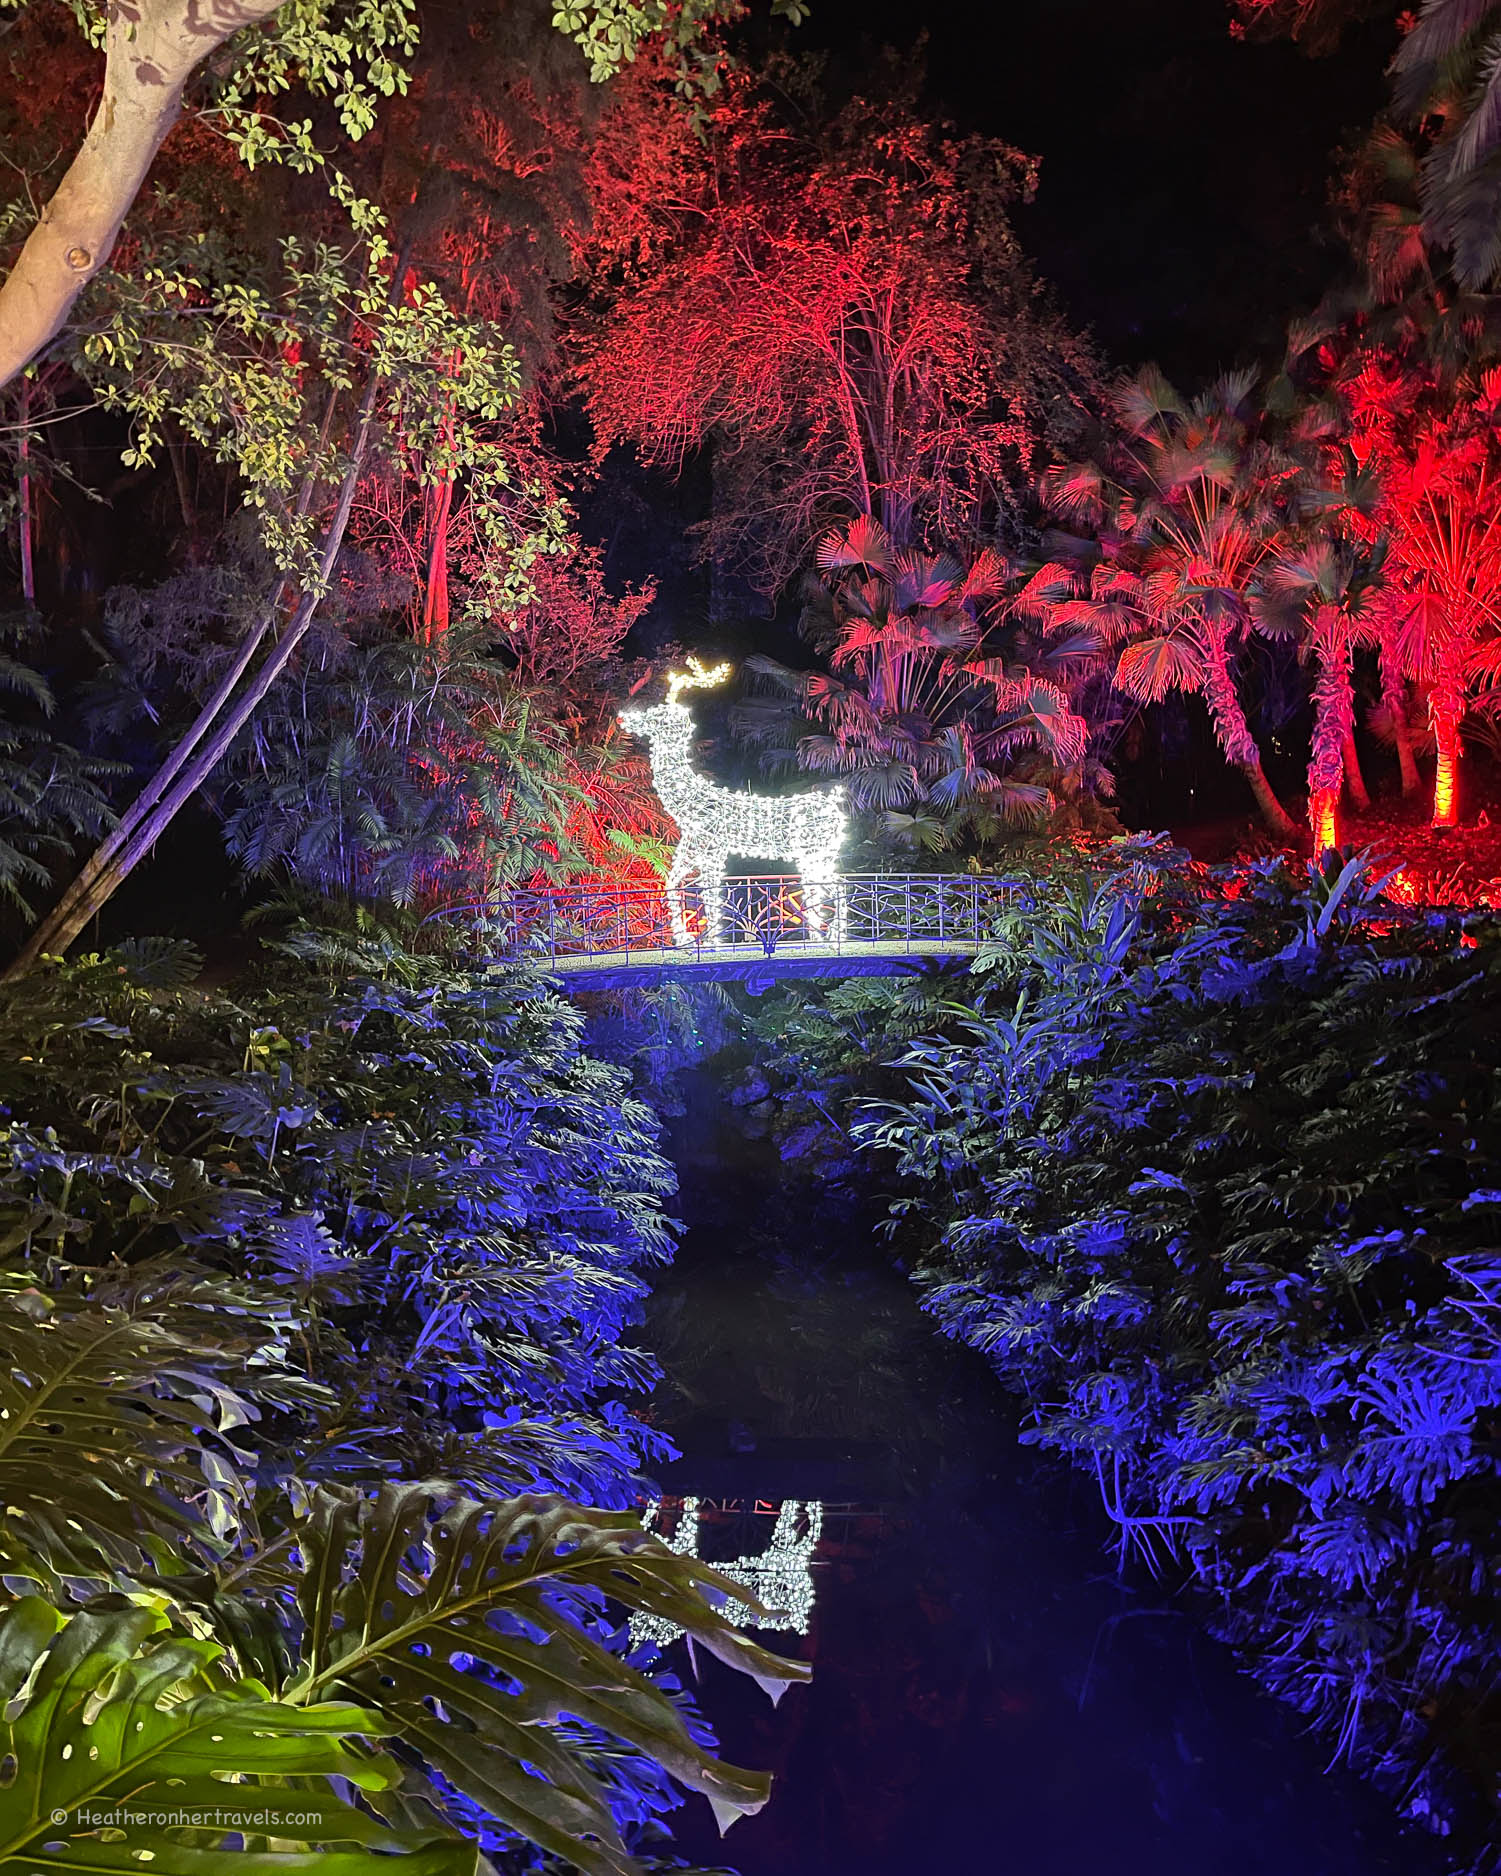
(806, 830)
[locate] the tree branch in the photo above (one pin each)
(152, 48)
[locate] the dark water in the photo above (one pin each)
(986, 1696)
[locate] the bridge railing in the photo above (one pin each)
(758, 912)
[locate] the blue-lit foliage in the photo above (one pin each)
(459, 1201)
(1214, 1182)
(380, 1217)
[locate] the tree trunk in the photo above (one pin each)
(1446, 774)
(1268, 806)
(177, 456)
(1354, 780)
(1323, 819)
(435, 612)
(217, 725)
(28, 567)
(1333, 743)
(1407, 762)
(151, 49)
(1394, 698)
(1234, 734)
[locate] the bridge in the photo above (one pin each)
(770, 926)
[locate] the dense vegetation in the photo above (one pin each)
(336, 365)
(265, 1260)
(1208, 1170)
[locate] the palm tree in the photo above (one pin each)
(1448, 72)
(1441, 507)
(1447, 86)
(1184, 516)
(1328, 593)
(1405, 360)
(929, 696)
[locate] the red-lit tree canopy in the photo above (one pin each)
(1440, 478)
(1185, 513)
(838, 305)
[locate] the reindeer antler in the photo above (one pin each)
(694, 678)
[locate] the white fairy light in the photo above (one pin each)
(807, 830)
(779, 1577)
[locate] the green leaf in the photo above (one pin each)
(110, 1721)
(109, 1414)
(458, 1622)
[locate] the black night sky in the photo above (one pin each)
(1183, 212)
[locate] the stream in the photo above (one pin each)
(986, 1695)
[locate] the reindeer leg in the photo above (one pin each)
(815, 891)
(683, 864)
(822, 896)
(711, 869)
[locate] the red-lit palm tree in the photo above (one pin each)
(930, 694)
(1440, 472)
(1185, 515)
(1327, 592)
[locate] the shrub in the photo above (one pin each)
(1213, 1181)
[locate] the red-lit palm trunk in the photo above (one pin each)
(1394, 702)
(1446, 706)
(1333, 729)
(1234, 732)
(1354, 779)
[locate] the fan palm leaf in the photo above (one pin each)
(1152, 667)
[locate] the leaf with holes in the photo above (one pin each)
(110, 1721)
(460, 1622)
(114, 1412)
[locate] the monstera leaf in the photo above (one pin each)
(462, 1624)
(112, 1728)
(114, 1417)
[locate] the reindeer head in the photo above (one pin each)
(671, 720)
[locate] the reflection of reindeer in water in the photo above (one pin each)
(806, 830)
(780, 1577)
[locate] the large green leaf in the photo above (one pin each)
(112, 1726)
(115, 1417)
(453, 1620)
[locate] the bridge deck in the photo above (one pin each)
(752, 928)
(750, 964)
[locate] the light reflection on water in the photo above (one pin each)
(779, 1577)
(987, 1693)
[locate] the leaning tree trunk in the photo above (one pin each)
(199, 752)
(1235, 738)
(24, 505)
(151, 49)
